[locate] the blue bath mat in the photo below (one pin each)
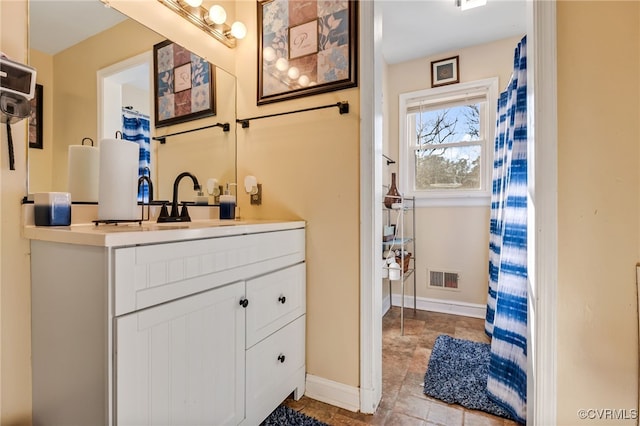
(457, 374)
(285, 416)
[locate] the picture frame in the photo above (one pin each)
(312, 50)
(445, 71)
(35, 119)
(184, 85)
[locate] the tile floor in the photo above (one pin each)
(404, 362)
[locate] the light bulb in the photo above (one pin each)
(293, 73)
(269, 54)
(217, 14)
(282, 64)
(303, 81)
(238, 30)
(194, 3)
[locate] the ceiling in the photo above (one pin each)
(414, 29)
(56, 25)
(411, 28)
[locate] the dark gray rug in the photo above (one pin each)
(285, 416)
(457, 374)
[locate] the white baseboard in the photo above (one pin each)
(386, 304)
(334, 393)
(453, 307)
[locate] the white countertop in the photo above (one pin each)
(125, 234)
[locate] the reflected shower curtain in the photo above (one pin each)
(135, 128)
(506, 321)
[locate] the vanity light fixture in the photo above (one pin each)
(469, 4)
(212, 21)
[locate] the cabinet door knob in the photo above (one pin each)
(281, 358)
(244, 302)
(282, 299)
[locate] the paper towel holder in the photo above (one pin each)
(85, 139)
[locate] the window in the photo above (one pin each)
(446, 143)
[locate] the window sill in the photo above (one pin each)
(461, 200)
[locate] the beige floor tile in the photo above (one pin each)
(444, 414)
(471, 334)
(478, 418)
(399, 419)
(412, 406)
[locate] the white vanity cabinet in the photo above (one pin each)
(193, 332)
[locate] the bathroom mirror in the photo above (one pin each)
(120, 59)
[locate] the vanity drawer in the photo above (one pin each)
(275, 300)
(152, 274)
(275, 367)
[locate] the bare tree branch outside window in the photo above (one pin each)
(450, 166)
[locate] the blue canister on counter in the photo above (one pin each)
(52, 208)
(227, 206)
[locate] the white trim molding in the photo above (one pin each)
(444, 306)
(370, 212)
(542, 393)
(334, 393)
(386, 304)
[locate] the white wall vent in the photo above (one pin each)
(441, 279)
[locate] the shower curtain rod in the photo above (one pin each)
(342, 106)
(134, 112)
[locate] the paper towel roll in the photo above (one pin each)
(118, 183)
(83, 172)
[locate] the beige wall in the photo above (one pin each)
(598, 207)
(210, 153)
(75, 108)
(450, 239)
(40, 160)
(15, 306)
(308, 164)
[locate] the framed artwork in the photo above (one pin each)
(35, 119)
(445, 71)
(184, 85)
(306, 48)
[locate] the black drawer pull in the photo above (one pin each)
(244, 302)
(281, 358)
(282, 299)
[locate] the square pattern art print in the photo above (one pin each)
(184, 85)
(306, 47)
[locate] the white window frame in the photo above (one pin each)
(478, 197)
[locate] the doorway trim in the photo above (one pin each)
(543, 216)
(541, 30)
(110, 81)
(370, 206)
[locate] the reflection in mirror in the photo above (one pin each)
(86, 86)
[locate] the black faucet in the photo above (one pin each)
(184, 215)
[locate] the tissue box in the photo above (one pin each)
(52, 208)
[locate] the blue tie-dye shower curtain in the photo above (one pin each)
(135, 128)
(506, 321)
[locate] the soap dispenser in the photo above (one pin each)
(227, 204)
